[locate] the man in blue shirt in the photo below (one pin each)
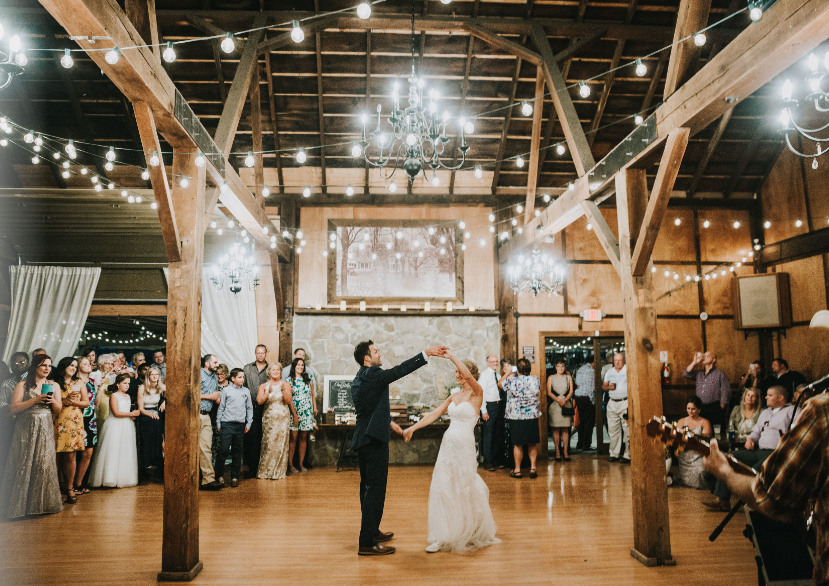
(209, 395)
(233, 420)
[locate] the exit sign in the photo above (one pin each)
(592, 315)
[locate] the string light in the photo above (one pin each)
(641, 68)
(227, 43)
(478, 172)
(519, 162)
(184, 182)
(349, 191)
(526, 108)
(300, 155)
(112, 56)
(392, 186)
(154, 159)
(296, 33)
(66, 60)
(560, 149)
(265, 191)
(145, 175)
(199, 160)
(364, 10)
(306, 192)
(638, 119)
(699, 39)
(169, 54)
(249, 161)
(29, 137)
(584, 90)
(84, 171)
(706, 224)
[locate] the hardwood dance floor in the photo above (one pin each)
(572, 525)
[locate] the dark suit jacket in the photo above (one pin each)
(370, 392)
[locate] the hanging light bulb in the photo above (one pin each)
(706, 224)
(571, 186)
(153, 206)
(546, 198)
(356, 150)
(94, 179)
(736, 225)
(110, 156)
(677, 222)
(514, 222)
(29, 137)
(461, 224)
(392, 186)
(249, 160)
(364, 10)
(66, 60)
(56, 156)
(435, 181)
(169, 53)
(349, 191)
(589, 226)
(112, 56)
(798, 223)
(98, 187)
(108, 166)
(69, 148)
(560, 149)
(299, 234)
(766, 224)
(491, 217)
(300, 155)
(469, 127)
(265, 191)
(699, 39)
(131, 199)
(755, 11)
(306, 192)
(227, 43)
(35, 160)
(199, 160)
(184, 182)
(65, 164)
(84, 171)
(519, 208)
(478, 172)
(145, 175)
(526, 108)
(641, 68)
(154, 159)
(65, 174)
(124, 193)
(111, 185)
(638, 119)
(519, 162)
(584, 90)
(296, 34)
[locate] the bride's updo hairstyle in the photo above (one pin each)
(473, 368)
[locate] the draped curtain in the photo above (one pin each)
(49, 308)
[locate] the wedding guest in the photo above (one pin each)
(160, 362)
(256, 374)
(305, 403)
(522, 415)
(492, 430)
(279, 412)
(585, 402)
(123, 365)
(106, 377)
(744, 416)
(560, 391)
(135, 383)
(137, 360)
(116, 460)
(68, 423)
(300, 353)
(90, 424)
(90, 354)
(30, 483)
(235, 418)
(150, 425)
(209, 395)
(691, 468)
(753, 378)
(222, 376)
(19, 367)
(781, 376)
(713, 387)
(615, 381)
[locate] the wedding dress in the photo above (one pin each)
(459, 515)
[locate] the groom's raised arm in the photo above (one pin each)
(382, 377)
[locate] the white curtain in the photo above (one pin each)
(49, 308)
(228, 324)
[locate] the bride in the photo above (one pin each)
(459, 515)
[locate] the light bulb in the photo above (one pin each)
(798, 224)
(66, 164)
(526, 108)
(537, 213)
(491, 217)
(249, 160)
(38, 140)
(98, 187)
(514, 222)
(519, 162)
(154, 206)
(56, 156)
(296, 34)
(306, 192)
(145, 175)
(349, 191)
(641, 68)
(492, 229)
(84, 171)
(35, 160)
(94, 179)
(736, 225)
(184, 182)
(546, 198)
(29, 137)
(199, 160)
(227, 43)
(392, 186)
(65, 174)
(638, 119)
(213, 224)
(124, 193)
(112, 56)
(137, 199)
(131, 199)
(108, 166)
(230, 224)
(560, 149)
(756, 13)
(469, 128)
(767, 224)
(111, 185)
(286, 234)
(571, 186)
(154, 159)
(699, 39)
(14, 44)
(813, 62)
(467, 235)
(677, 222)
(706, 224)
(584, 90)
(356, 150)
(478, 172)
(169, 53)
(519, 208)
(224, 188)
(364, 10)
(70, 147)
(300, 155)
(265, 192)
(411, 139)
(589, 226)
(299, 234)
(435, 181)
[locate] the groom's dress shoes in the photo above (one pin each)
(382, 537)
(376, 550)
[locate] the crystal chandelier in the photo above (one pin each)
(537, 273)
(12, 61)
(417, 137)
(817, 83)
(236, 269)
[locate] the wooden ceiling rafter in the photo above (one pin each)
(702, 166)
(274, 122)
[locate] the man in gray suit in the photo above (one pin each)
(370, 392)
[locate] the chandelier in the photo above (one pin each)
(417, 137)
(12, 61)
(236, 269)
(817, 83)
(537, 273)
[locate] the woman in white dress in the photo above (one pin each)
(115, 463)
(459, 515)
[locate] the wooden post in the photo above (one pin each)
(180, 546)
(651, 531)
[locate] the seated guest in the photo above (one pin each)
(744, 416)
(772, 424)
(781, 376)
(30, 482)
(691, 468)
(275, 395)
(234, 420)
(522, 415)
(115, 463)
(68, 423)
(150, 425)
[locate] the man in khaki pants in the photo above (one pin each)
(209, 394)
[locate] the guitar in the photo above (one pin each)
(680, 440)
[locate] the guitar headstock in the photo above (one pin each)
(680, 440)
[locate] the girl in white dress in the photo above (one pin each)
(459, 515)
(115, 462)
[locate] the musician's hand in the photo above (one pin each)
(750, 444)
(715, 462)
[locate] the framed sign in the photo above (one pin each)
(762, 301)
(337, 394)
(382, 261)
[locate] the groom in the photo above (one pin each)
(370, 393)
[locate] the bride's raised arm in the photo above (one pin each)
(427, 419)
(477, 391)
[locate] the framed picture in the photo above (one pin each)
(762, 301)
(337, 394)
(395, 261)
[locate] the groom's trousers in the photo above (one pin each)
(374, 473)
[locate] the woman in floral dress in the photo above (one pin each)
(305, 403)
(90, 422)
(69, 433)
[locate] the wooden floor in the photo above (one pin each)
(572, 525)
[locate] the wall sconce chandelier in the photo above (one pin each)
(537, 273)
(236, 269)
(817, 83)
(12, 60)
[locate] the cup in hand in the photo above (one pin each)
(699, 356)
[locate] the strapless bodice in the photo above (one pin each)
(463, 413)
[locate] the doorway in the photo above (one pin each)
(575, 347)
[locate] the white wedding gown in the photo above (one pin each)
(459, 515)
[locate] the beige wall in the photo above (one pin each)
(479, 264)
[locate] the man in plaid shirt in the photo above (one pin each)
(796, 473)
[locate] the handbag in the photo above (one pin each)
(567, 411)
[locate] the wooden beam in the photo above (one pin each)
(133, 128)
(603, 232)
(573, 132)
(220, 74)
(657, 75)
(158, 177)
(274, 123)
(746, 154)
(658, 202)
(232, 111)
(285, 39)
(205, 26)
(464, 90)
(502, 144)
(503, 43)
(321, 111)
(576, 46)
(709, 152)
(114, 310)
(141, 13)
(256, 132)
(691, 17)
(535, 143)
(795, 248)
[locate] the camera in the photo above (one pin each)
(514, 369)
